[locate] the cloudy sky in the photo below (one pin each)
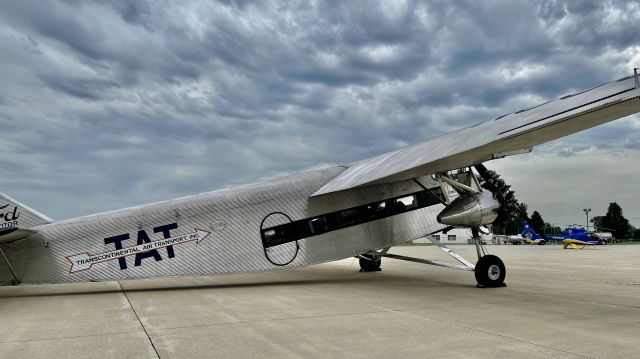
(111, 103)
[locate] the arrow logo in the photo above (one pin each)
(84, 261)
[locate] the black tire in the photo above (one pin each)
(543, 242)
(490, 271)
(370, 265)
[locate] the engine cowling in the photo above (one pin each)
(470, 210)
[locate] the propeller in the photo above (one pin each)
(509, 205)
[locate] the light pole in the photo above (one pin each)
(586, 211)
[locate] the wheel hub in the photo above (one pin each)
(494, 272)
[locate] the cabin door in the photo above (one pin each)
(280, 246)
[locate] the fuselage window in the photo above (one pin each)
(269, 235)
(279, 235)
(405, 204)
(349, 217)
(318, 225)
(301, 229)
(375, 211)
(426, 199)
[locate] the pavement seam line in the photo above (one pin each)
(153, 346)
(64, 338)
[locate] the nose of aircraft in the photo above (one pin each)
(470, 210)
(462, 210)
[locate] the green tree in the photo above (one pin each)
(552, 229)
(536, 222)
(511, 227)
(616, 221)
(597, 222)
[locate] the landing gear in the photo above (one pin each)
(369, 263)
(490, 271)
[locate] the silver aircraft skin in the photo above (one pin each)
(307, 218)
(232, 220)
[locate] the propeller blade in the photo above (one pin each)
(510, 207)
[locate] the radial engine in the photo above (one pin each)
(482, 205)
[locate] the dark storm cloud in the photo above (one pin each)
(123, 102)
(589, 25)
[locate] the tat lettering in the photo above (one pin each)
(144, 248)
(141, 238)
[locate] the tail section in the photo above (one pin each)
(14, 214)
(16, 223)
(528, 231)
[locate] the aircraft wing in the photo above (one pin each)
(506, 135)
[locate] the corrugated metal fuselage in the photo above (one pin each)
(161, 239)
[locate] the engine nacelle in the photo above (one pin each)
(470, 210)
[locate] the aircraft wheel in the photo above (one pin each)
(490, 271)
(543, 242)
(370, 265)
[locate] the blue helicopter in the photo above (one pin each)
(571, 236)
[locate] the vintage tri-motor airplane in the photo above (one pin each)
(356, 210)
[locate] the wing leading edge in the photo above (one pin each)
(514, 133)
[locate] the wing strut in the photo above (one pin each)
(430, 191)
(13, 273)
(466, 265)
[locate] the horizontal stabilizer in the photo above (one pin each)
(511, 134)
(13, 234)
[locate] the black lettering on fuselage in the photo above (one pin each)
(117, 241)
(11, 215)
(143, 237)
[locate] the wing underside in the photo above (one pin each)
(510, 134)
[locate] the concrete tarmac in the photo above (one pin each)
(558, 304)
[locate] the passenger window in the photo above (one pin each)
(405, 204)
(429, 198)
(348, 217)
(269, 235)
(318, 225)
(302, 230)
(376, 211)
(305, 228)
(278, 235)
